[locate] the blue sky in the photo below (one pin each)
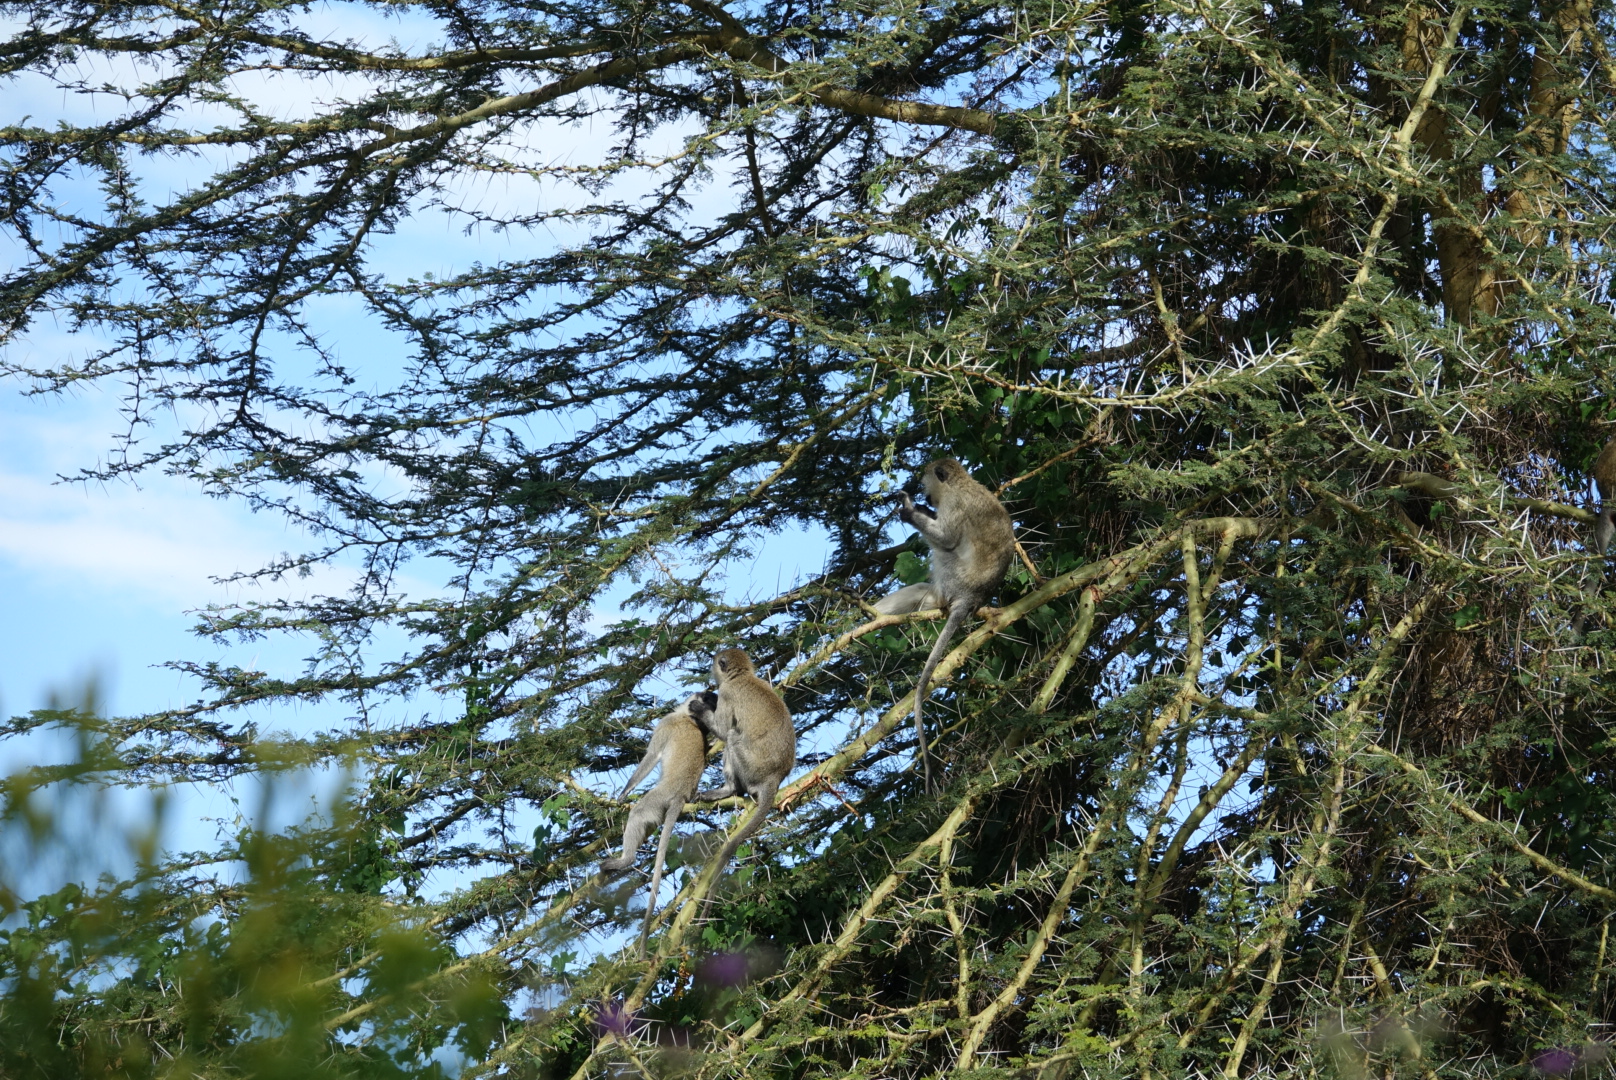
(99, 579)
(101, 582)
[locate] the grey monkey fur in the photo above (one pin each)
(972, 543)
(1604, 472)
(909, 598)
(679, 744)
(760, 745)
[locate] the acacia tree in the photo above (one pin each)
(1283, 329)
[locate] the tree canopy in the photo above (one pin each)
(1283, 329)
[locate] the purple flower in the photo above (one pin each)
(1556, 1062)
(724, 969)
(614, 1019)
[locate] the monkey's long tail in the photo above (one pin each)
(765, 803)
(956, 616)
(668, 821)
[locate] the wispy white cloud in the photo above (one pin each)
(161, 538)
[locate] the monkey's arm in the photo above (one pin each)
(722, 723)
(652, 753)
(909, 510)
(929, 525)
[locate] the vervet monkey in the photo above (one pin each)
(760, 745)
(679, 744)
(972, 543)
(1604, 472)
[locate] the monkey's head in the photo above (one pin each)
(937, 476)
(701, 708)
(731, 663)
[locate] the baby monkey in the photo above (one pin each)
(972, 543)
(679, 744)
(760, 745)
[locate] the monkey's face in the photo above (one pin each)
(938, 475)
(701, 708)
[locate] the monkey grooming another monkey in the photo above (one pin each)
(972, 543)
(679, 744)
(760, 745)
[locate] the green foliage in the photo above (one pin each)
(277, 971)
(1284, 329)
(910, 568)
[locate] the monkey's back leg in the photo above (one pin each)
(646, 813)
(731, 784)
(909, 598)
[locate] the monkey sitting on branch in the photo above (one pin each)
(679, 745)
(760, 745)
(972, 542)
